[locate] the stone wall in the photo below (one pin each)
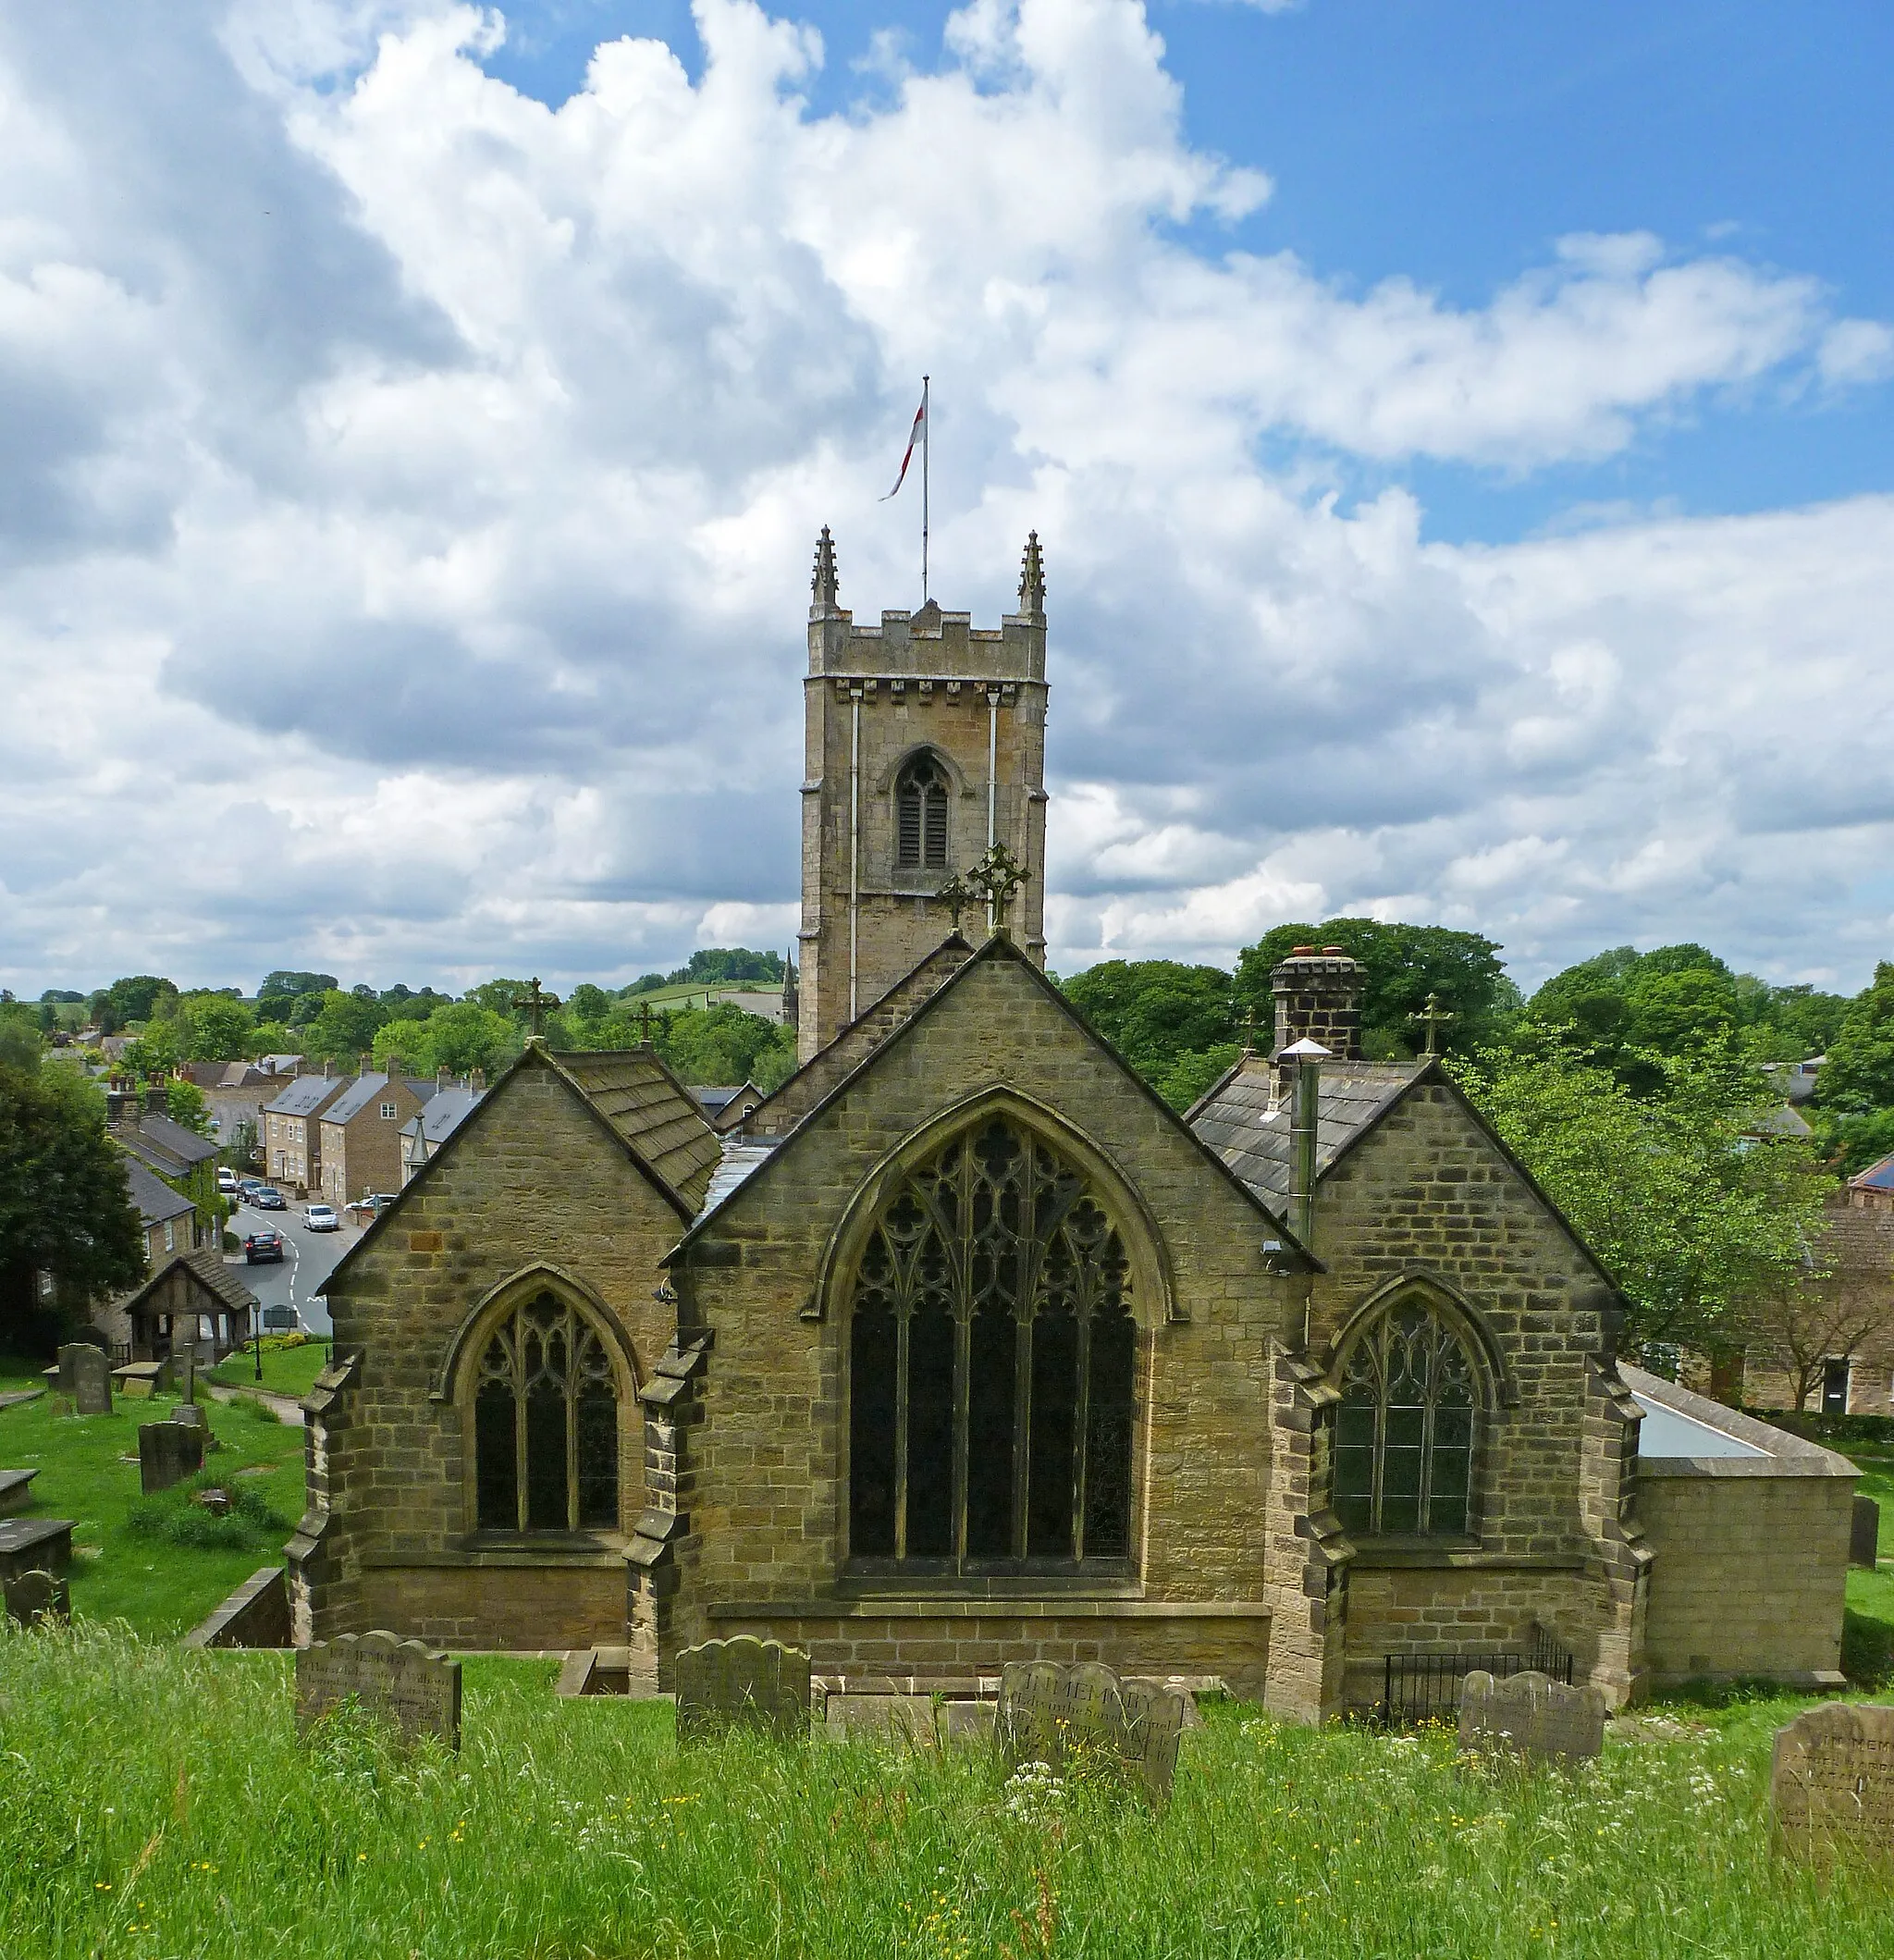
(1850, 1309)
(762, 1476)
(1427, 1195)
(533, 1183)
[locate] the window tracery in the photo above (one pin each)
(545, 1423)
(1404, 1431)
(993, 1364)
(920, 808)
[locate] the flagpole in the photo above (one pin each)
(926, 437)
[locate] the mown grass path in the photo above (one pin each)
(154, 1802)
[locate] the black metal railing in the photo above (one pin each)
(1426, 1687)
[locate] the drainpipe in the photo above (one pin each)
(855, 840)
(993, 781)
(1304, 1109)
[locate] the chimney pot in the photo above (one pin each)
(1301, 952)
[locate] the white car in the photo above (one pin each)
(321, 1218)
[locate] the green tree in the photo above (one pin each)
(1689, 1214)
(280, 988)
(458, 1037)
(133, 998)
(1176, 1024)
(711, 963)
(187, 1105)
(345, 1028)
(1859, 1074)
(589, 1003)
(153, 1051)
(1404, 965)
(496, 995)
(271, 1038)
(21, 1045)
(719, 1044)
(213, 1027)
(65, 1209)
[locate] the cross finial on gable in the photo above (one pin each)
(1249, 1030)
(644, 1022)
(537, 1006)
(1434, 1021)
(994, 881)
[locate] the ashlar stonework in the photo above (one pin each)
(962, 1349)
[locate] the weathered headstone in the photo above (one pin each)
(760, 1683)
(399, 1681)
(184, 1365)
(192, 1415)
(35, 1543)
(1532, 1716)
(167, 1453)
(16, 1490)
(1050, 1713)
(36, 1595)
(90, 1379)
(1831, 1782)
(1865, 1533)
(137, 1380)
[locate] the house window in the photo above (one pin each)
(994, 1362)
(545, 1423)
(387, 1112)
(1404, 1432)
(920, 809)
(170, 1238)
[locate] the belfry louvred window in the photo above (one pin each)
(545, 1423)
(994, 1362)
(920, 814)
(1404, 1432)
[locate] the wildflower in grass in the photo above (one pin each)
(1034, 1796)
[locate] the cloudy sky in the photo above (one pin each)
(1461, 435)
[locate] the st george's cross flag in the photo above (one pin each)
(915, 435)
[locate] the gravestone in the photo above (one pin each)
(90, 1379)
(167, 1453)
(184, 1366)
(1532, 1716)
(137, 1380)
(1050, 1713)
(760, 1683)
(192, 1415)
(1865, 1533)
(16, 1490)
(1831, 1782)
(37, 1595)
(35, 1543)
(398, 1680)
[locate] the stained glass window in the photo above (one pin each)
(993, 1364)
(920, 811)
(545, 1423)
(1404, 1432)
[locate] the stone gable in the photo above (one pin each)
(532, 1180)
(766, 1487)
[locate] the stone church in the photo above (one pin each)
(962, 1347)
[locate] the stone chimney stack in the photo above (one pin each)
(158, 1099)
(1318, 994)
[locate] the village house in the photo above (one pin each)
(443, 1114)
(292, 1131)
(961, 1347)
(187, 1162)
(360, 1133)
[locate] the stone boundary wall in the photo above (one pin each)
(566, 1605)
(255, 1615)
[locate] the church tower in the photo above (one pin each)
(925, 744)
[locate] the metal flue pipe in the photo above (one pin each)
(1304, 1109)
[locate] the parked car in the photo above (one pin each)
(371, 1207)
(227, 1180)
(247, 1188)
(267, 1198)
(262, 1246)
(321, 1218)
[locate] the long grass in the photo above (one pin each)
(157, 1802)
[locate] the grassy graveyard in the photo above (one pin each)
(290, 1364)
(155, 1802)
(159, 1563)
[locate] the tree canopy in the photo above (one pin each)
(65, 1205)
(1176, 1024)
(1405, 964)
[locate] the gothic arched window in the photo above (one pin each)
(545, 1423)
(993, 1364)
(1404, 1432)
(920, 813)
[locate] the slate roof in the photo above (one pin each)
(305, 1096)
(442, 1113)
(206, 1266)
(1236, 1120)
(156, 1199)
(1876, 1177)
(167, 1147)
(362, 1091)
(651, 1110)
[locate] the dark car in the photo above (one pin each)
(267, 1198)
(262, 1245)
(247, 1188)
